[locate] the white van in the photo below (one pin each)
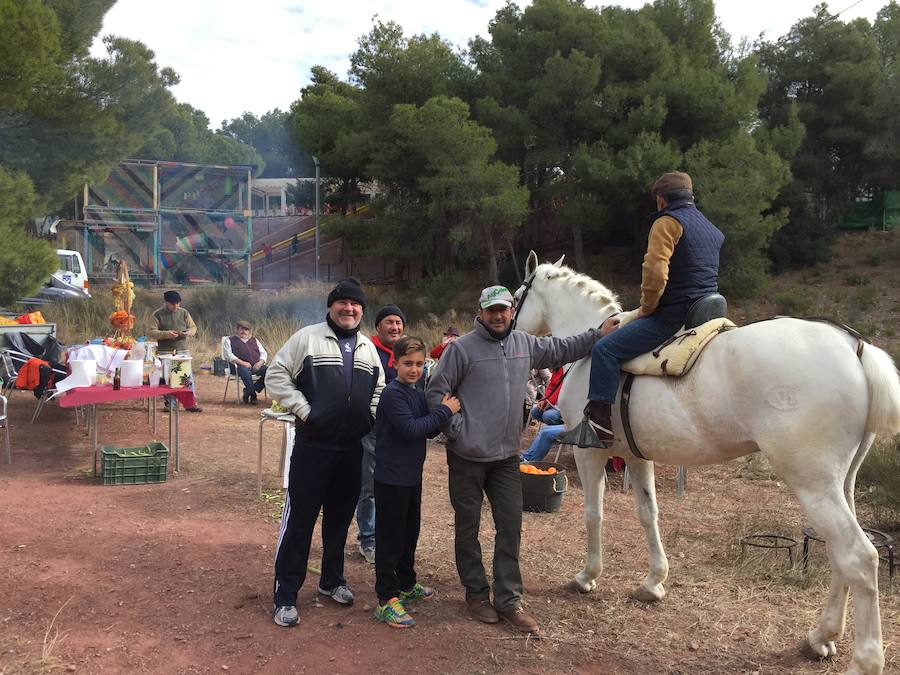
(72, 271)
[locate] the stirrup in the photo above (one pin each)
(585, 435)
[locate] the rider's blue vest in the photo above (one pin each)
(694, 265)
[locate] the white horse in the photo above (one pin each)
(794, 390)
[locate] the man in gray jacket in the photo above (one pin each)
(487, 370)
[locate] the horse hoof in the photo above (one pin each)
(583, 584)
(648, 596)
(816, 649)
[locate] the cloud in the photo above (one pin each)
(234, 57)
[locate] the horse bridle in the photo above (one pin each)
(526, 285)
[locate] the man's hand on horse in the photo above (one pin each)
(608, 326)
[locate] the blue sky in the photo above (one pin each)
(235, 56)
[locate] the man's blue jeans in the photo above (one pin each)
(246, 375)
(542, 443)
(365, 507)
(633, 339)
(548, 415)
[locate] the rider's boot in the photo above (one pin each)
(595, 429)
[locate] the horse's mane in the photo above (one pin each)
(591, 288)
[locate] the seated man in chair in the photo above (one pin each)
(248, 357)
(681, 265)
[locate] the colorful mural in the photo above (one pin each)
(171, 221)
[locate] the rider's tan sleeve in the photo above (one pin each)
(664, 236)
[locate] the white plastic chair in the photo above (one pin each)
(231, 374)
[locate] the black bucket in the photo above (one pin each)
(543, 494)
(220, 366)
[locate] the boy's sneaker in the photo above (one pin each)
(393, 613)
(340, 594)
(367, 552)
(417, 592)
(286, 616)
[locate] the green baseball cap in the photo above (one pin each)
(495, 295)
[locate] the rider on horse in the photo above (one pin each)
(680, 266)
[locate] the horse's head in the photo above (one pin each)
(557, 299)
(531, 313)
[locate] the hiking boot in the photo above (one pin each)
(340, 594)
(519, 619)
(286, 616)
(367, 552)
(393, 613)
(482, 610)
(594, 430)
(417, 592)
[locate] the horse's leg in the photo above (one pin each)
(832, 622)
(854, 562)
(850, 480)
(591, 464)
(642, 476)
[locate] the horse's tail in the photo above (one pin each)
(884, 391)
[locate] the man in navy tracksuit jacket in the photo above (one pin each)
(329, 375)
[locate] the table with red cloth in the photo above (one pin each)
(91, 397)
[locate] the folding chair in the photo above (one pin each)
(16, 359)
(9, 373)
(231, 374)
(4, 421)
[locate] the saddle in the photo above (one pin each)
(677, 355)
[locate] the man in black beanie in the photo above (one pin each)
(329, 375)
(389, 325)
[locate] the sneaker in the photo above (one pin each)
(367, 552)
(195, 409)
(417, 592)
(393, 613)
(286, 616)
(340, 594)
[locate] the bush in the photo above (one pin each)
(864, 297)
(856, 280)
(878, 483)
(797, 302)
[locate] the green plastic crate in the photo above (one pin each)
(134, 466)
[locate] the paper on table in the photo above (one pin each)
(107, 358)
(84, 374)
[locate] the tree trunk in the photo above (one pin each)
(512, 252)
(494, 270)
(578, 246)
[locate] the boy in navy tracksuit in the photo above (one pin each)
(402, 424)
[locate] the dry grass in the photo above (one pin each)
(276, 315)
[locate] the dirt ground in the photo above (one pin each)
(176, 577)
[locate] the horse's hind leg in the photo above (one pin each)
(832, 621)
(592, 471)
(854, 562)
(642, 476)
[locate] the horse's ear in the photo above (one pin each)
(559, 262)
(531, 264)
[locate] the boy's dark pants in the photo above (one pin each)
(500, 481)
(398, 511)
(326, 480)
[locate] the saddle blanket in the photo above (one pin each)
(677, 355)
